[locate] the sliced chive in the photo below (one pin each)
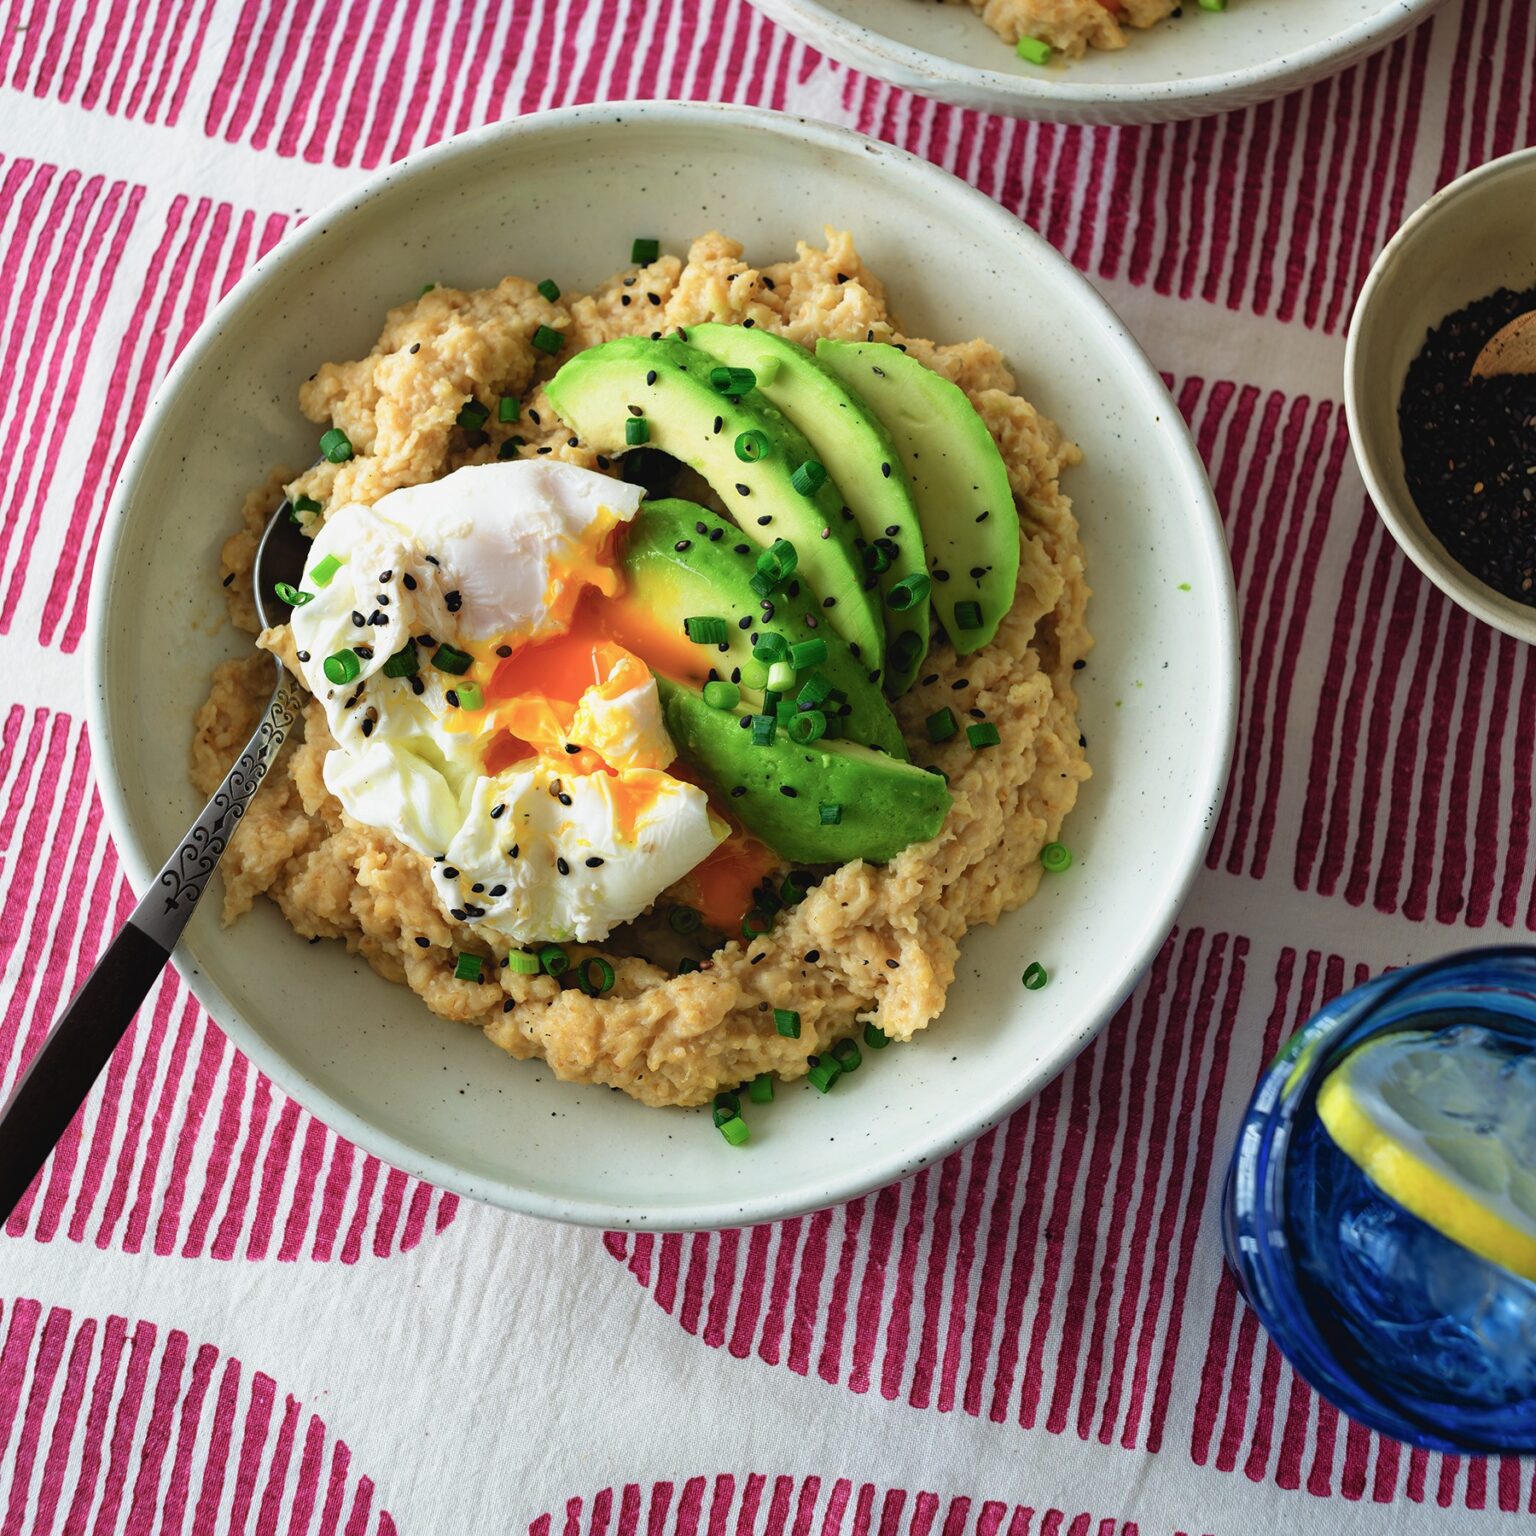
(908, 644)
(523, 963)
(637, 430)
(343, 667)
(426, 288)
(706, 630)
(752, 446)
(771, 647)
(809, 478)
(1056, 857)
(470, 696)
(762, 584)
(968, 615)
(322, 570)
(781, 676)
(823, 1074)
(787, 1022)
(908, 592)
(554, 960)
(754, 674)
(735, 1131)
(683, 919)
(732, 381)
(983, 735)
(720, 695)
(875, 1037)
(877, 560)
(760, 1089)
(468, 968)
(725, 1106)
(336, 446)
(550, 289)
(508, 449)
(595, 976)
(814, 692)
(764, 728)
(1034, 51)
(846, 1054)
(643, 251)
(508, 409)
(404, 663)
(450, 659)
(755, 924)
(1034, 976)
(808, 653)
(807, 726)
(548, 340)
(687, 966)
(291, 594)
(941, 725)
(306, 504)
(830, 813)
(472, 416)
(778, 560)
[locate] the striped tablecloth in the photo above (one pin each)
(217, 1315)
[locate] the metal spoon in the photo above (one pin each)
(1509, 350)
(58, 1078)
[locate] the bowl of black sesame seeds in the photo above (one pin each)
(1449, 455)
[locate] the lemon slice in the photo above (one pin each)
(1445, 1123)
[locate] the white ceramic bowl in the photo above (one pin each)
(1472, 237)
(1190, 66)
(561, 195)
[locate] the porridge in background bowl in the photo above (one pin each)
(806, 883)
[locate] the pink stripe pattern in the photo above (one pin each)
(184, 1148)
(114, 1426)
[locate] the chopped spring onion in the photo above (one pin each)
(767, 369)
(508, 449)
(706, 630)
(909, 591)
(807, 726)
(787, 1022)
(725, 1105)
(846, 1054)
(968, 615)
(554, 960)
(720, 695)
(824, 1071)
(524, 964)
(779, 559)
(548, 340)
(1033, 51)
(781, 676)
(755, 924)
(291, 594)
(404, 663)
(809, 478)
(595, 975)
(687, 966)
(875, 1037)
(550, 289)
(815, 691)
(941, 724)
(643, 251)
(450, 659)
(735, 1131)
(877, 560)
(771, 646)
(983, 735)
(830, 813)
(470, 696)
(426, 288)
(762, 584)
(472, 415)
(637, 431)
(508, 409)
(1034, 976)
(1056, 857)
(908, 644)
(468, 968)
(806, 653)
(764, 728)
(732, 381)
(754, 675)
(306, 504)
(752, 446)
(336, 445)
(323, 570)
(342, 667)
(683, 919)
(760, 1089)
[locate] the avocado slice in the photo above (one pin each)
(681, 561)
(882, 806)
(970, 523)
(850, 440)
(666, 384)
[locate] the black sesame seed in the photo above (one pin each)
(655, 298)
(450, 873)
(959, 683)
(738, 791)
(744, 622)
(743, 490)
(410, 582)
(228, 579)
(572, 748)
(453, 601)
(512, 851)
(303, 655)
(683, 544)
(716, 534)
(497, 812)
(457, 914)
(564, 799)
(1079, 664)
(498, 890)
(788, 791)
(418, 687)
(765, 519)
(624, 300)
(562, 866)
(415, 348)
(812, 956)
(478, 887)
(719, 423)
(535, 418)
(885, 469)
(422, 943)
(509, 1005)
(594, 862)
(358, 619)
(740, 549)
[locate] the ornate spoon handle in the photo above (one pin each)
(58, 1078)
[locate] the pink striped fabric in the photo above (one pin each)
(1052, 1291)
(726, 1505)
(111, 1425)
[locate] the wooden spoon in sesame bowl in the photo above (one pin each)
(1510, 350)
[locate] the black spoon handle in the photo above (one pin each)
(59, 1077)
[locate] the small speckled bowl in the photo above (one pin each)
(562, 195)
(1191, 65)
(1474, 236)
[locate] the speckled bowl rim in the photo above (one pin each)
(885, 58)
(1405, 522)
(897, 1160)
